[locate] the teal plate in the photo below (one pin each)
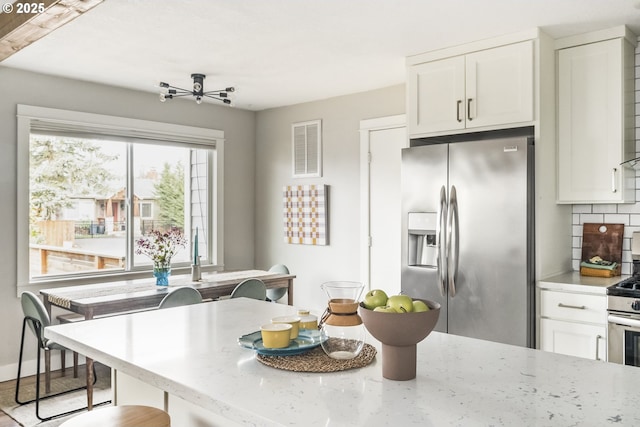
(307, 340)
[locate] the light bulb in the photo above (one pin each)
(163, 97)
(198, 100)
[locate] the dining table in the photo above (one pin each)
(126, 296)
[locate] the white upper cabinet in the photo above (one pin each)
(436, 93)
(491, 88)
(499, 85)
(595, 122)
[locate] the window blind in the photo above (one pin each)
(46, 121)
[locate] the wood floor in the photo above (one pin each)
(5, 420)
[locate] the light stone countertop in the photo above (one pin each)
(574, 282)
(192, 352)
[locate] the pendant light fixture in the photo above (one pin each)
(169, 92)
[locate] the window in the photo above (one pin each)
(146, 210)
(96, 183)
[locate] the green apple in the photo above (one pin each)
(375, 298)
(384, 309)
(401, 303)
(419, 306)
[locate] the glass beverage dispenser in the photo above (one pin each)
(341, 330)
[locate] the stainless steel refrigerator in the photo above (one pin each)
(467, 235)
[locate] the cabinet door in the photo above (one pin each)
(574, 339)
(499, 85)
(435, 92)
(590, 130)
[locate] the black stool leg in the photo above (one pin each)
(37, 327)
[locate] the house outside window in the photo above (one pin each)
(91, 194)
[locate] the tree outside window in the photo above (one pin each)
(79, 201)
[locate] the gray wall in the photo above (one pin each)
(257, 165)
(340, 116)
(19, 87)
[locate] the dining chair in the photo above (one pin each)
(275, 294)
(181, 296)
(37, 318)
(250, 288)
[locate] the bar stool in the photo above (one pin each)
(121, 416)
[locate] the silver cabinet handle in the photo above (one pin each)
(598, 338)
(469, 109)
(452, 242)
(458, 104)
(613, 180)
(576, 307)
(442, 243)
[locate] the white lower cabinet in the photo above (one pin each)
(574, 339)
(573, 324)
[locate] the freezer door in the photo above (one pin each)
(424, 183)
(493, 284)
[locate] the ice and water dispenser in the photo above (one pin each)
(423, 249)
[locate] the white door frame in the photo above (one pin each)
(366, 128)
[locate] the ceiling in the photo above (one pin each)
(285, 52)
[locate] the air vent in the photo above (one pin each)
(307, 149)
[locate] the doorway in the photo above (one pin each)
(381, 142)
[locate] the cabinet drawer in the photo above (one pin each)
(574, 307)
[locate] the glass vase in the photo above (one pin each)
(162, 271)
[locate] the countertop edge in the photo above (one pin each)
(573, 281)
(178, 389)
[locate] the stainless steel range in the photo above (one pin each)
(623, 307)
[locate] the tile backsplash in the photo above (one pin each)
(627, 214)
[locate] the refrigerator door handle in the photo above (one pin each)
(453, 248)
(442, 243)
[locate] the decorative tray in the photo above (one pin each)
(307, 340)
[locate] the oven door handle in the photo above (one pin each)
(626, 321)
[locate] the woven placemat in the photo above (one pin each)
(317, 360)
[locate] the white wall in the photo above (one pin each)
(340, 116)
(627, 214)
(19, 87)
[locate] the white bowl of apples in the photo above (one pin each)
(399, 322)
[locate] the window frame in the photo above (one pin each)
(197, 137)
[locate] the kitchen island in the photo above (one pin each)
(187, 360)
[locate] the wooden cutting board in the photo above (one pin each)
(603, 240)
